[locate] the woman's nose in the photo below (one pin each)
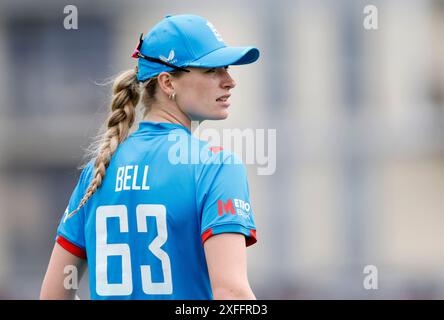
(228, 82)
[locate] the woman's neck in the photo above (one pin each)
(159, 114)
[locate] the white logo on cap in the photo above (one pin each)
(216, 34)
(170, 57)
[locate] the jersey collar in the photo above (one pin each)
(150, 126)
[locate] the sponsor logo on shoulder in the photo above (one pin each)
(234, 206)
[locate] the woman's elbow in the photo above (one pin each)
(60, 295)
(55, 291)
(46, 296)
(238, 293)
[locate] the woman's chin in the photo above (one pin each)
(222, 116)
(218, 116)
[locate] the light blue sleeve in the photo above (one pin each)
(223, 198)
(72, 228)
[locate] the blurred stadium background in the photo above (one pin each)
(359, 116)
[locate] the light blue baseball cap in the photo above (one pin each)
(180, 41)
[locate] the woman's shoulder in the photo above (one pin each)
(87, 171)
(218, 155)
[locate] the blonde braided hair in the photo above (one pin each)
(126, 95)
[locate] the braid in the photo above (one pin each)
(126, 94)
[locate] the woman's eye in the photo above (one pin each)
(216, 69)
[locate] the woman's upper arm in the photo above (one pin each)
(53, 286)
(227, 266)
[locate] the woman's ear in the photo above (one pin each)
(164, 79)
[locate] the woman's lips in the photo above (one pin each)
(224, 100)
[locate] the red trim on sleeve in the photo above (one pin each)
(252, 239)
(71, 247)
(249, 240)
(206, 235)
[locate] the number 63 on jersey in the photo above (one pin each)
(105, 250)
